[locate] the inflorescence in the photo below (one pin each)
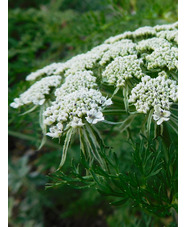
(122, 69)
(155, 93)
(131, 56)
(36, 93)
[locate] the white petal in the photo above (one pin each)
(97, 120)
(89, 119)
(157, 108)
(160, 121)
(166, 113)
(108, 102)
(155, 117)
(99, 115)
(165, 118)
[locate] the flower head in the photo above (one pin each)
(122, 69)
(36, 93)
(158, 93)
(74, 109)
(124, 59)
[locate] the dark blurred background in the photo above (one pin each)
(46, 31)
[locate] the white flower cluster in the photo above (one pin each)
(73, 109)
(123, 68)
(158, 93)
(36, 93)
(98, 56)
(171, 36)
(162, 54)
(157, 47)
(166, 27)
(77, 101)
(74, 82)
(121, 48)
(47, 70)
(146, 31)
(152, 44)
(143, 32)
(82, 62)
(119, 58)
(163, 57)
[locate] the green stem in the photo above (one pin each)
(32, 139)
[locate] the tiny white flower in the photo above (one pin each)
(93, 116)
(160, 115)
(41, 102)
(108, 102)
(76, 122)
(60, 126)
(54, 132)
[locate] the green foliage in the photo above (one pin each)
(150, 183)
(35, 39)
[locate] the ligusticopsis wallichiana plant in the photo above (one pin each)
(122, 90)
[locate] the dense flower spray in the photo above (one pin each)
(142, 63)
